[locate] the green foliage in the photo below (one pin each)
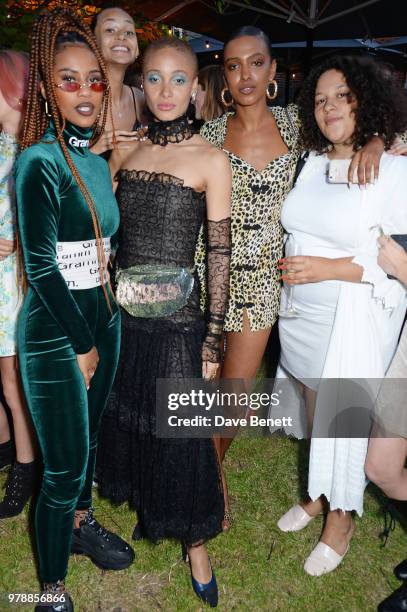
(17, 16)
(13, 35)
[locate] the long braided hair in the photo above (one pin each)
(50, 30)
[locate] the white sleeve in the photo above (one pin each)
(392, 218)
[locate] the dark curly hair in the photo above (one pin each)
(381, 104)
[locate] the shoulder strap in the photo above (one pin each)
(137, 124)
(300, 164)
(294, 130)
(134, 101)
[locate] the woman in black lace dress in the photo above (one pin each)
(166, 187)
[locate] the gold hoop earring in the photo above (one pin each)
(272, 96)
(47, 109)
(222, 97)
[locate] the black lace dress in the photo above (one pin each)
(174, 484)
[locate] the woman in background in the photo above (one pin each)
(389, 434)
(117, 39)
(21, 480)
(208, 101)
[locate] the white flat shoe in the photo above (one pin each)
(295, 519)
(323, 560)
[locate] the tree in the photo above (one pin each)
(17, 16)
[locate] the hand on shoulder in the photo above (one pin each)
(116, 139)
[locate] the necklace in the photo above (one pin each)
(117, 108)
(164, 132)
(117, 111)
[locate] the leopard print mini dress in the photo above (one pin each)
(257, 234)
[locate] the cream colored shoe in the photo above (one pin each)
(323, 560)
(295, 519)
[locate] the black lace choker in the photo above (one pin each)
(163, 132)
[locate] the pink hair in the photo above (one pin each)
(14, 78)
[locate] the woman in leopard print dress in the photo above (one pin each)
(263, 148)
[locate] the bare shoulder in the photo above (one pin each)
(215, 158)
(216, 172)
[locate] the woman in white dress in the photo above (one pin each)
(349, 314)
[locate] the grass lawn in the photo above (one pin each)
(257, 567)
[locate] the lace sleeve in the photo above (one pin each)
(218, 286)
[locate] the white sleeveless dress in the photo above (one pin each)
(344, 330)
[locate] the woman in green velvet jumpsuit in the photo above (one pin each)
(69, 326)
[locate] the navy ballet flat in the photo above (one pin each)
(208, 592)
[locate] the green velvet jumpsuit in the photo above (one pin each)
(56, 324)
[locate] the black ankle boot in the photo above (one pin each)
(53, 599)
(19, 488)
(396, 602)
(400, 571)
(106, 549)
(395, 510)
(138, 534)
(400, 507)
(7, 454)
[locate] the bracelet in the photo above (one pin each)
(214, 329)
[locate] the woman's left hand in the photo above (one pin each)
(210, 370)
(365, 162)
(398, 147)
(392, 258)
(301, 269)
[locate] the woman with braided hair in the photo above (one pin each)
(69, 326)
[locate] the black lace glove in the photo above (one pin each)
(218, 286)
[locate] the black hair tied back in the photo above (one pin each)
(249, 30)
